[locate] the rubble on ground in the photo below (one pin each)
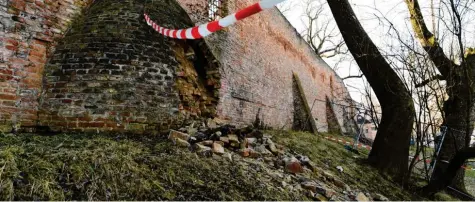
(256, 149)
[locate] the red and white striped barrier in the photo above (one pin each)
(208, 28)
(348, 143)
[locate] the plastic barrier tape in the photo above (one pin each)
(208, 28)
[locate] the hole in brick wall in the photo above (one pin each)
(200, 63)
(198, 78)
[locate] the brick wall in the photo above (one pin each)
(29, 30)
(112, 72)
(258, 56)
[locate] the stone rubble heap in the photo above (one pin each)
(238, 144)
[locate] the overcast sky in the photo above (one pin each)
(369, 13)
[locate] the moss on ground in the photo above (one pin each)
(84, 167)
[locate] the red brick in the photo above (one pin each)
(67, 101)
(91, 124)
(17, 63)
(7, 96)
(32, 83)
(39, 4)
(6, 71)
(37, 59)
(86, 118)
(12, 42)
(10, 90)
(8, 103)
(18, 4)
(11, 47)
(37, 53)
(271, 69)
(60, 124)
(4, 78)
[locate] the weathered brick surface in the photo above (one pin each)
(29, 30)
(112, 72)
(258, 55)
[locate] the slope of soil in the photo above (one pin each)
(98, 167)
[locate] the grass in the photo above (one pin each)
(470, 173)
(101, 167)
(329, 155)
(442, 196)
(84, 167)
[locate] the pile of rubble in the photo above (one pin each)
(247, 142)
(218, 138)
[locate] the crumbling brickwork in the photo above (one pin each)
(114, 73)
(197, 78)
(258, 55)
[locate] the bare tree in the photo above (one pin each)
(457, 72)
(285, 7)
(320, 31)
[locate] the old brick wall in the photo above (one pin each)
(258, 56)
(29, 30)
(112, 72)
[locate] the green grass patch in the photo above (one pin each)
(85, 167)
(470, 173)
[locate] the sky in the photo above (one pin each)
(371, 14)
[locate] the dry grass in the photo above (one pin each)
(98, 167)
(357, 174)
(83, 167)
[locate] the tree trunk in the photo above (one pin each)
(391, 146)
(451, 171)
(459, 118)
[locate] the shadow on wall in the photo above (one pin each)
(301, 117)
(332, 121)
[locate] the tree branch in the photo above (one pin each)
(428, 40)
(336, 49)
(354, 76)
(434, 78)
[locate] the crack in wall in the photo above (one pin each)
(198, 80)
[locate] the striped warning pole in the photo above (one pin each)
(208, 28)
